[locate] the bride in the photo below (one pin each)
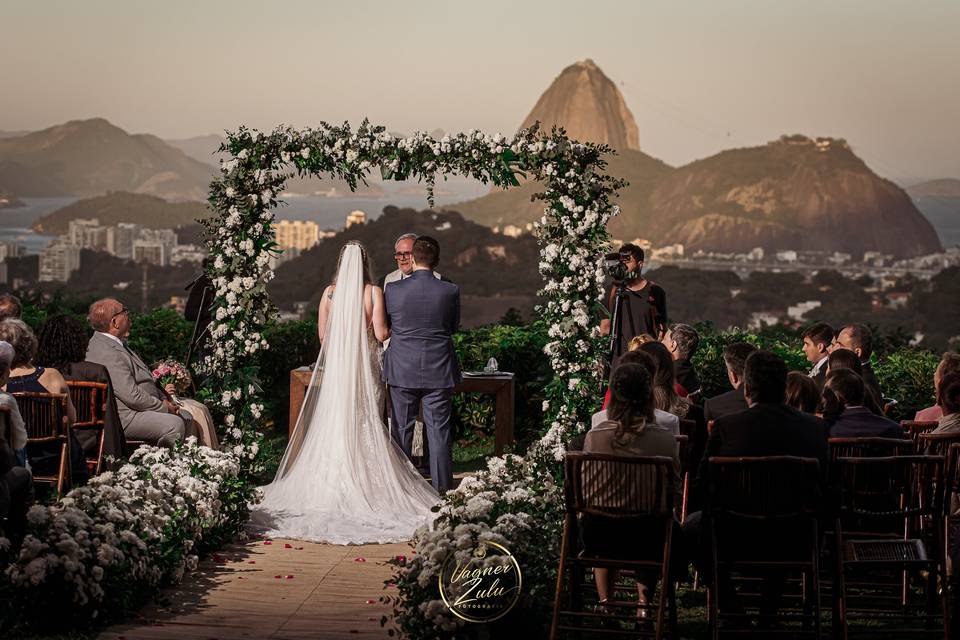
(342, 479)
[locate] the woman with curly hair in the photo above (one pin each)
(62, 345)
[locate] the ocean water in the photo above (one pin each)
(328, 213)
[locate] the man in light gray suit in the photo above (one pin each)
(421, 365)
(145, 412)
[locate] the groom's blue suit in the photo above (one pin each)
(420, 364)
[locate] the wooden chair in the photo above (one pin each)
(45, 417)
(761, 519)
(5, 425)
(913, 428)
(683, 446)
(883, 503)
(634, 491)
(90, 402)
(875, 447)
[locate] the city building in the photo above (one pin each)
(296, 234)
(356, 217)
(10, 250)
(120, 239)
(187, 253)
(87, 233)
(797, 311)
(153, 252)
(58, 260)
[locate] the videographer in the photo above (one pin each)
(642, 303)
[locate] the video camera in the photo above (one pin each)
(615, 264)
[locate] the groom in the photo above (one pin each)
(421, 365)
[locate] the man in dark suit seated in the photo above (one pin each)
(843, 407)
(859, 339)
(733, 401)
(769, 427)
(817, 341)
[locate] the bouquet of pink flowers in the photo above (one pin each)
(172, 372)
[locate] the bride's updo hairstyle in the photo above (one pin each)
(426, 252)
(367, 279)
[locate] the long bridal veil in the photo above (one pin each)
(342, 478)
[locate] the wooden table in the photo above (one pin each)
(502, 385)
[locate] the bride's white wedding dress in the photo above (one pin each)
(342, 479)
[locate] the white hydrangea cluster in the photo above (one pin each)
(138, 525)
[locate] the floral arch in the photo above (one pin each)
(509, 498)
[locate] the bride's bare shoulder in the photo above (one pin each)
(328, 292)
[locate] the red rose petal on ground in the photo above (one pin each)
(267, 542)
(287, 546)
(251, 562)
(241, 577)
(358, 559)
(402, 558)
(371, 601)
(289, 577)
(277, 577)
(299, 548)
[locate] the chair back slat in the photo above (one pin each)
(885, 493)
(89, 401)
(44, 414)
(768, 487)
(873, 447)
(619, 486)
(938, 444)
(913, 428)
(5, 427)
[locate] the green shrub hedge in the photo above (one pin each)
(905, 373)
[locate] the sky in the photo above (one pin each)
(699, 75)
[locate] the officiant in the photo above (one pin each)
(403, 254)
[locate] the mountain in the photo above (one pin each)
(584, 101)
(12, 134)
(471, 255)
(945, 188)
(90, 157)
(109, 209)
(201, 148)
(793, 193)
(514, 207)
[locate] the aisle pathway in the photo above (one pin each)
(323, 591)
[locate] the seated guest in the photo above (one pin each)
(16, 494)
(817, 339)
(631, 432)
(10, 306)
(682, 341)
(767, 428)
(665, 396)
(63, 345)
(663, 419)
(145, 412)
(859, 339)
(948, 397)
(843, 408)
(802, 392)
(8, 404)
(841, 358)
(734, 357)
(949, 363)
(636, 341)
(26, 376)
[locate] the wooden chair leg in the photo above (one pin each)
(558, 596)
(100, 452)
(61, 472)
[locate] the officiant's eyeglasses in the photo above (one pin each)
(403, 255)
(122, 311)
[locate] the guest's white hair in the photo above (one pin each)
(406, 236)
(6, 355)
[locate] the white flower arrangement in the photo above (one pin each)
(128, 531)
